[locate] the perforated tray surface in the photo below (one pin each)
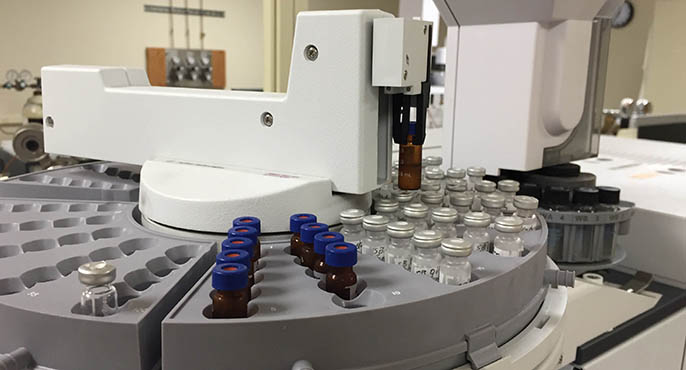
(43, 242)
(399, 320)
(90, 181)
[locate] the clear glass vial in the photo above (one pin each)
(493, 204)
(416, 213)
(455, 268)
(462, 202)
(352, 231)
(399, 250)
(429, 186)
(388, 208)
(476, 232)
(482, 188)
(444, 220)
(376, 240)
(475, 175)
(508, 188)
(455, 173)
(453, 187)
(436, 174)
(433, 161)
(526, 207)
(432, 200)
(404, 197)
(507, 242)
(426, 258)
(100, 296)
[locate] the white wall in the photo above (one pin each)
(34, 33)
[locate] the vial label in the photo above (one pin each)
(452, 280)
(431, 271)
(403, 261)
(506, 252)
(358, 244)
(482, 246)
(380, 252)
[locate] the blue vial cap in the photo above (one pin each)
(234, 256)
(300, 219)
(321, 240)
(239, 242)
(249, 221)
(341, 254)
(308, 231)
(229, 276)
(413, 129)
(244, 231)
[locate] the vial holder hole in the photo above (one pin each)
(42, 179)
(96, 167)
(120, 187)
(108, 233)
(76, 238)
(100, 220)
(182, 253)
(253, 308)
(80, 183)
(141, 279)
(110, 207)
(61, 181)
(9, 250)
(17, 208)
(5, 228)
(126, 175)
(11, 286)
(67, 222)
(161, 266)
(39, 245)
(40, 275)
(80, 207)
(138, 244)
(124, 293)
(99, 185)
(112, 171)
(106, 254)
(34, 225)
(364, 298)
(71, 264)
(51, 207)
(359, 290)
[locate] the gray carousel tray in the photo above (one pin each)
(90, 181)
(399, 320)
(43, 242)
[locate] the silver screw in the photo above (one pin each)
(425, 28)
(407, 59)
(49, 121)
(560, 360)
(311, 53)
(405, 75)
(267, 119)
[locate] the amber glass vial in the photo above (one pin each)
(340, 277)
(296, 221)
(321, 240)
(230, 297)
(307, 233)
(410, 166)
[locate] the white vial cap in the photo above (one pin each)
(375, 222)
(508, 186)
(456, 173)
(485, 186)
(97, 273)
(444, 214)
(400, 229)
(434, 173)
(351, 216)
(387, 205)
(432, 197)
(509, 224)
(434, 160)
(493, 200)
(415, 210)
(456, 247)
(476, 171)
(525, 202)
(477, 219)
(404, 196)
(431, 185)
(461, 199)
(427, 239)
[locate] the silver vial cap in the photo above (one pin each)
(404, 196)
(525, 202)
(375, 222)
(509, 224)
(456, 173)
(432, 197)
(493, 200)
(444, 214)
(476, 171)
(434, 173)
(485, 186)
(400, 229)
(97, 273)
(387, 205)
(416, 210)
(456, 247)
(431, 185)
(427, 239)
(351, 216)
(477, 219)
(508, 186)
(456, 185)
(434, 160)
(461, 199)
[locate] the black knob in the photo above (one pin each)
(608, 194)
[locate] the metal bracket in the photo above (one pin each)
(481, 347)
(639, 282)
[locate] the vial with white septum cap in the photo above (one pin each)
(493, 204)
(475, 175)
(100, 296)
(426, 258)
(509, 189)
(462, 202)
(476, 232)
(444, 220)
(388, 208)
(482, 189)
(526, 207)
(455, 268)
(399, 250)
(376, 239)
(352, 231)
(436, 174)
(508, 243)
(416, 213)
